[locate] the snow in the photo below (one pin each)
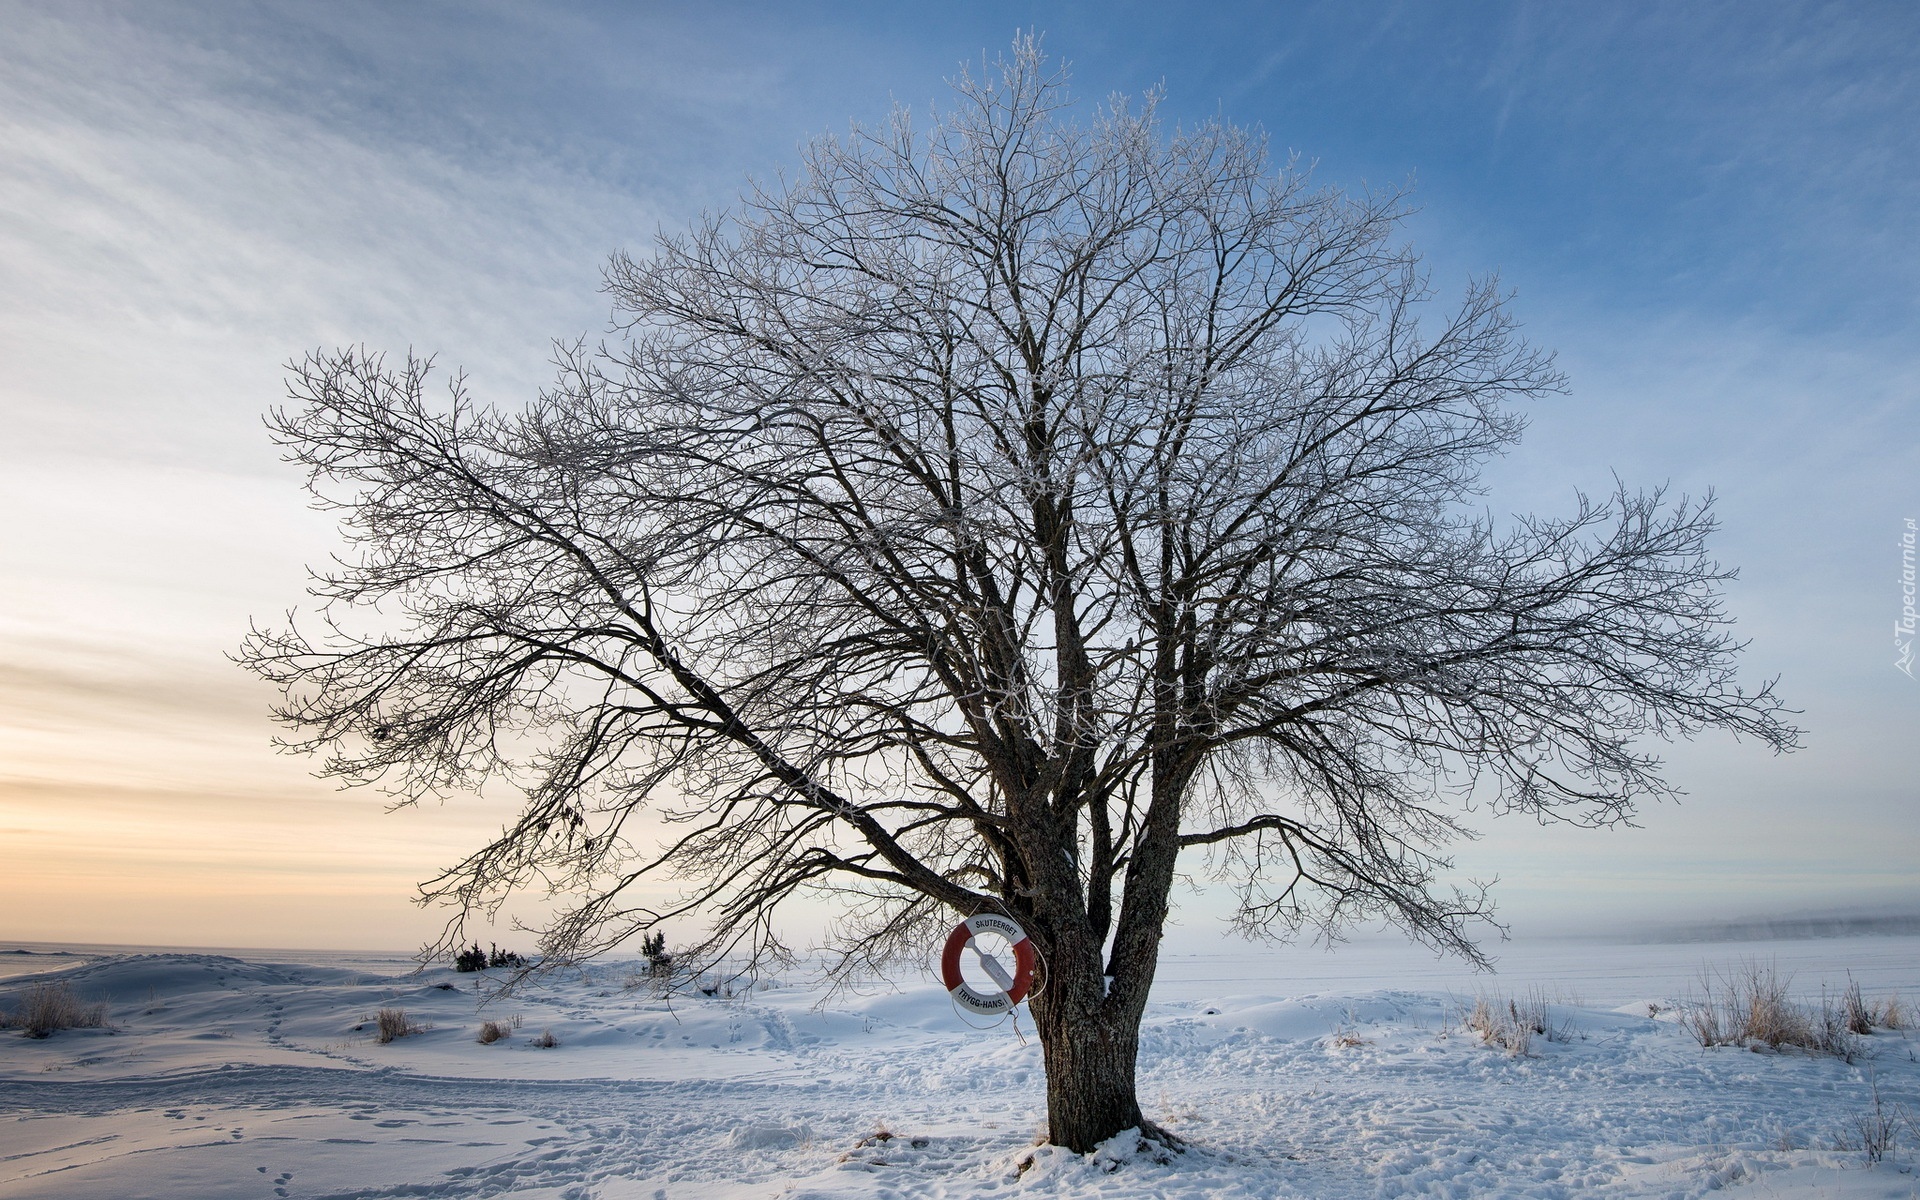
(1291, 1073)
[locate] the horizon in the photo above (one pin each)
(1870, 922)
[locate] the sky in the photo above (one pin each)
(1711, 212)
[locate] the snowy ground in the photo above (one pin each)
(1292, 1073)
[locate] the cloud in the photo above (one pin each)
(166, 244)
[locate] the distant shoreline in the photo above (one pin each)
(1786, 929)
(96, 949)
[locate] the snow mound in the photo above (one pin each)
(131, 978)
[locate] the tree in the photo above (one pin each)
(998, 516)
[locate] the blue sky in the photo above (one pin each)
(1709, 210)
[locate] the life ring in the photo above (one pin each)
(1013, 987)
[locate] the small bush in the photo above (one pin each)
(48, 1008)
(1831, 1034)
(546, 1040)
(477, 959)
(654, 947)
(392, 1023)
(491, 1032)
(1875, 1132)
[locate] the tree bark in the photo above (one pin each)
(1091, 1044)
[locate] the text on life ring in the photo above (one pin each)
(1013, 986)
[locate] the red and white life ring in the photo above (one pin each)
(1013, 987)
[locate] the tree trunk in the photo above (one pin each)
(1090, 1047)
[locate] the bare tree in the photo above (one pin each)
(984, 520)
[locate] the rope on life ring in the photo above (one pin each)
(1013, 985)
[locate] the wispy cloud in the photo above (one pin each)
(165, 243)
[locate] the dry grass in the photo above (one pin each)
(50, 1007)
(1879, 1126)
(392, 1023)
(1894, 1014)
(1512, 1024)
(493, 1031)
(1749, 1006)
(546, 1040)
(1859, 1017)
(1500, 1024)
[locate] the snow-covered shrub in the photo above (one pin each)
(546, 1040)
(392, 1023)
(48, 1008)
(491, 1032)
